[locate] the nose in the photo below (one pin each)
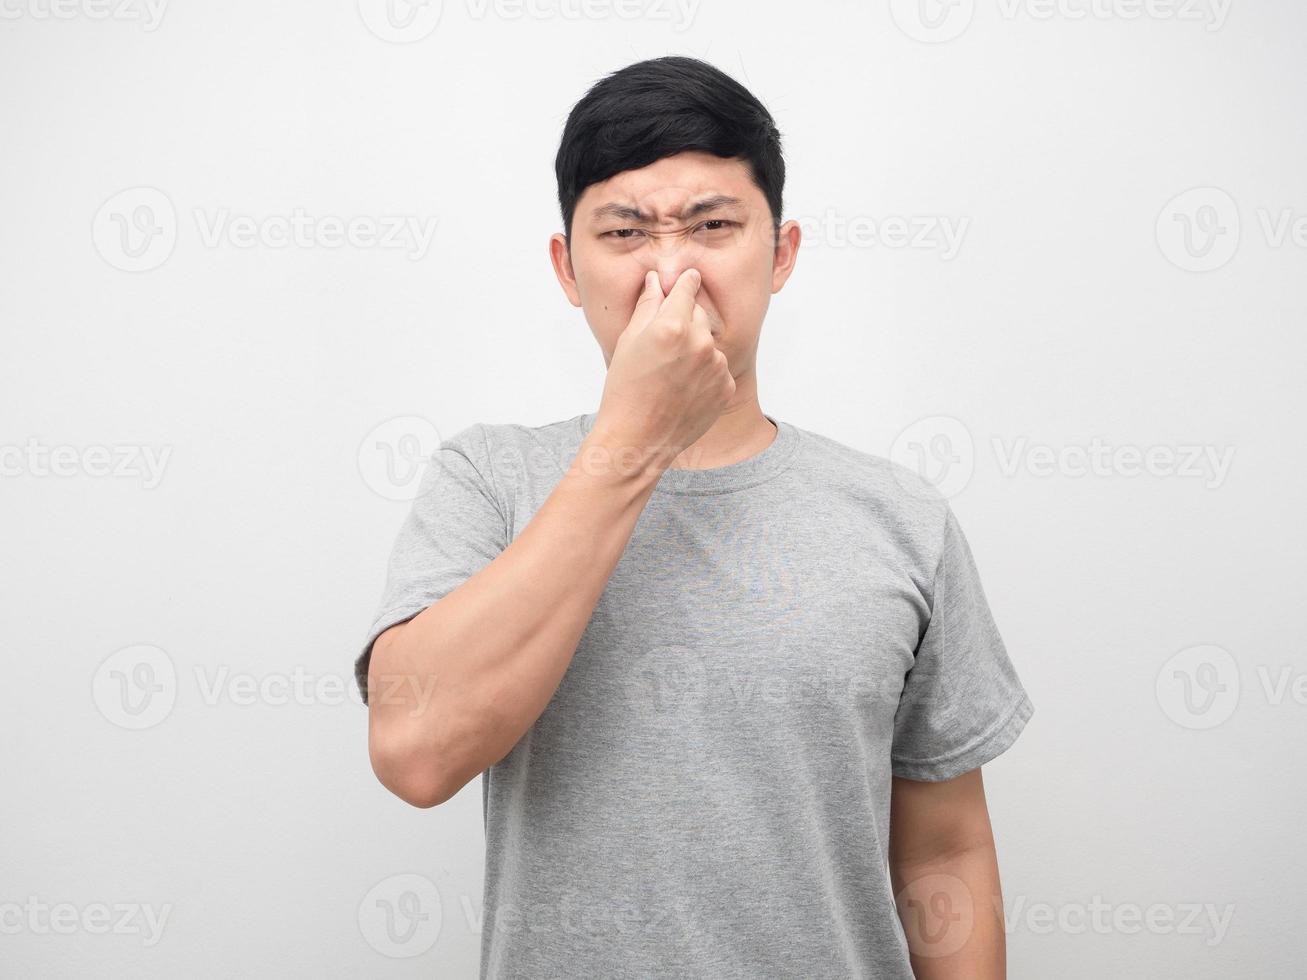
(670, 255)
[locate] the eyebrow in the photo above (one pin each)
(628, 213)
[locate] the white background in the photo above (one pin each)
(1148, 818)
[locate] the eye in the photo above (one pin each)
(621, 233)
(722, 222)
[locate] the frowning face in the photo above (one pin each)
(691, 210)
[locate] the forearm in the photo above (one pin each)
(951, 907)
(455, 688)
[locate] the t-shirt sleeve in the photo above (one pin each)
(454, 528)
(962, 703)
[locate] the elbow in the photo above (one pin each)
(413, 773)
(407, 755)
(424, 796)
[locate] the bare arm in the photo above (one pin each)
(480, 664)
(944, 870)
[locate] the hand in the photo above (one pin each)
(667, 381)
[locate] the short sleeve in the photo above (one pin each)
(454, 528)
(962, 703)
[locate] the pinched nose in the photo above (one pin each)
(669, 272)
(671, 256)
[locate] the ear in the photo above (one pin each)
(786, 253)
(562, 262)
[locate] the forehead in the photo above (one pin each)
(669, 185)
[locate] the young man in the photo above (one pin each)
(729, 682)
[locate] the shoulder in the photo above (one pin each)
(522, 437)
(485, 437)
(898, 499)
(509, 453)
(894, 487)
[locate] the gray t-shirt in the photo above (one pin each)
(707, 793)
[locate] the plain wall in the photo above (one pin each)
(1093, 334)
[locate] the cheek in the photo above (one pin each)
(608, 285)
(742, 263)
(607, 304)
(739, 284)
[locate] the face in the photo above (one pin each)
(692, 210)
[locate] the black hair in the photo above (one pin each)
(658, 108)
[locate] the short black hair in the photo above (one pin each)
(658, 108)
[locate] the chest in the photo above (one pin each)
(744, 618)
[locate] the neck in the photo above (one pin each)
(739, 433)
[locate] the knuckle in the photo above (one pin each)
(703, 345)
(669, 330)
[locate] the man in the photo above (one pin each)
(729, 682)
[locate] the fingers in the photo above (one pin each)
(652, 293)
(680, 298)
(700, 318)
(701, 326)
(647, 303)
